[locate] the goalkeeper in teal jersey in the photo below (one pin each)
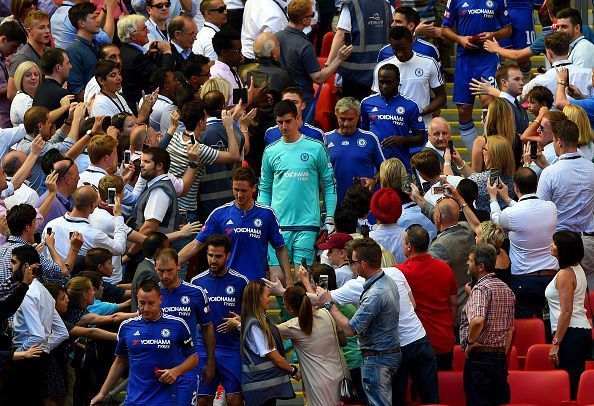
(293, 168)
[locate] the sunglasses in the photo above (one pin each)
(161, 6)
(219, 10)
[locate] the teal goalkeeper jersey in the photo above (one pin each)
(292, 174)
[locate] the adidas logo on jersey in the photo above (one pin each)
(465, 4)
(373, 110)
(137, 333)
(230, 222)
(331, 144)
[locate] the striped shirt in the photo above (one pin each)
(178, 152)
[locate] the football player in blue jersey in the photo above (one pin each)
(224, 288)
(188, 302)
(158, 349)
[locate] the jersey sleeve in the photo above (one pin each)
(503, 16)
(186, 341)
(328, 182)
(202, 308)
(265, 187)
(435, 78)
(449, 16)
(211, 226)
(416, 122)
(274, 233)
(121, 346)
(378, 155)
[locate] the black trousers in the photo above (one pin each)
(485, 379)
(26, 382)
(573, 353)
(445, 361)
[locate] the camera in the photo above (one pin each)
(111, 194)
(494, 177)
(127, 157)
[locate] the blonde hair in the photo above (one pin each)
(251, 306)
(20, 73)
(578, 115)
(500, 120)
(501, 155)
(393, 174)
(219, 84)
(127, 25)
(77, 287)
(492, 234)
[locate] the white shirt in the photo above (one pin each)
(410, 328)
(579, 319)
(106, 106)
(344, 274)
(163, 106)
(24, 194)
(92, 237)
(390, 236)
(104, 221)
(154, 33)
(432, 197)
(257, 341)
(19, 106)
(578, 76)
(92, 175)
(550, 155)
(10, 137)
(37, 322)
(261, 16)
(569, 183)
(581, 53)
(531, 223)
(158, 202)
(203, 43)
(234, 4)
(141, 184)
(418, 76)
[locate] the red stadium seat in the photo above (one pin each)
(537, 358)
(527, 333)
(451, 388)
(543, 388)
(324, 113)
(327, 44)
(585, 394)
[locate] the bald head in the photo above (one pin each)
(13, 161)
(265, 45)
(137, 137)
(440, 133)
(446, 213)
(85, 197)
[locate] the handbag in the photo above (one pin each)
(346, 390)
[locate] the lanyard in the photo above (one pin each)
(369, 287)
(570, 157)
(282, 9)
(120, 107)
(164, 36)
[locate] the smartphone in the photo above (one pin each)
(323, 282)
(438, 189)
(127, 157)
(348, 39)
(406, 187)
(106, 123)
(111, 194)
(49, 231)
(70, 234)
(533, 149)
(192, 138)
(240, 94)
(494, 177)
(451, 146)
(183, 216)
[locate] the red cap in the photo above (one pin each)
(386, 206)
(337, 240)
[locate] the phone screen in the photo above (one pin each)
(533, 149)
(111, 194)
(494, 176)
(451, 146)
(127, 157)
(348, 40)
(323, 282)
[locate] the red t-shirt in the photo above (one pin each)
(432, 283)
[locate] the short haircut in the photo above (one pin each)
(486, 255)
(417, 237)
(398, 33)
(358, 197)
(427, 163)
(84, 197)
(49, 159)
(100, 146)
(219, 240)
(492, 234)
(12, 162)
(110, 181)
(368, 250)
(293, 90)
(574, 16)
(127, 26)
(213, 102)
(152, 243)
(177, 24)
(96, 257)
(12, 31)
(35, 15)
(390, 67)
(20, 216)
(165, 254)
(159, 77)
(94, 277)
(223, 40)
(103, 50)
(26, 254)
(205, 6)
(52, 58)
(566, 130)
(149, 285)
(54, 289)
(284, 107)
(345, 219)
(570, 248)
(79, 12)
(410, 14)
(191, 114)
(159, 156)
(526, 180)
(244, 174)
(104, 67)
(265, 44)
(20, 72)
(62, 170)
(541, 95)
(468, 189)
(558, 43)
(33, 117)
(298, 10)
(503, 73)
(194, 64)
(347, 103)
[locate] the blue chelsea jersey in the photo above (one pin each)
(187, 302)
(473, 17)
(224, 295)
(250, 232)
(420, 46)
(274, 134)
(151, 345)
(398, 116)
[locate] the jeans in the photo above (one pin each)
(377, 374)
(418, 362)
(529, 291)
(485, 379)
(573, 353)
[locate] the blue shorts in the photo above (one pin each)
(300, 244)
(227, 374)
(187, 388)
(523, 34)
(472, 66)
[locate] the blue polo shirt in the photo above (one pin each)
(274, 134)
(358, 154)
(83, 57)
(250, 232)
(398, 116)
(420, 46)
(588, 106)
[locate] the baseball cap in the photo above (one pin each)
(337, 240)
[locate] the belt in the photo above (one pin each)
(543, 272)
(370, 353)
(489, 349)
(585, 234)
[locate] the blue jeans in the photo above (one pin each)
(377, 373)
(418, 362)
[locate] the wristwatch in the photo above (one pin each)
(328, 305)
(555, 341)
(294, 371)
(193, 165)
(562, 82)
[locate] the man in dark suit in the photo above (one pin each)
(137, 66)
(182, 31)
(510, 82)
